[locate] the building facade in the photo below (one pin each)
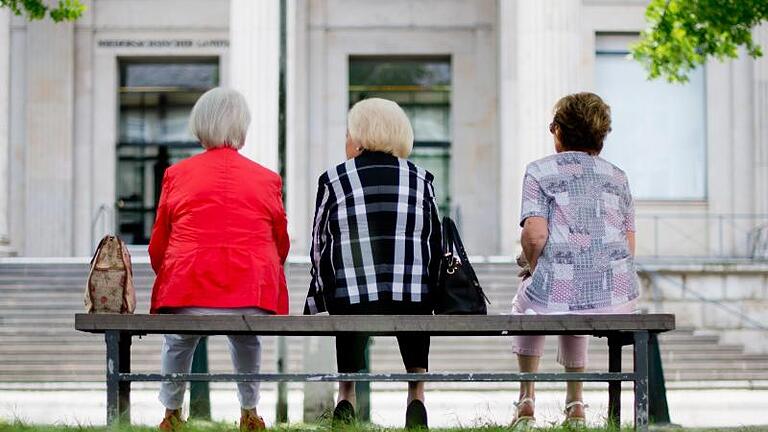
(92, 112)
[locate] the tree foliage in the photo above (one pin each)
(64, 10)
(682, 34)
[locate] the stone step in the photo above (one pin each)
(23, 335)
(38, 303)
(22, 352)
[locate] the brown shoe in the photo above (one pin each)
(172, 423)
(251, 422)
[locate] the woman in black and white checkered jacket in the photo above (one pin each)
(376, 243)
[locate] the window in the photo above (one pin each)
(423, 88)
(659, 129)
(155, 101)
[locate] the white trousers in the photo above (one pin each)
(178, 350)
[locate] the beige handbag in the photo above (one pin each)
(110, 280)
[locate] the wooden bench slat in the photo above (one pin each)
(440, 325)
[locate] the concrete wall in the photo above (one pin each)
(59, 175)
(730, 300)
(330, 31)
(732, 147)
(64, 123)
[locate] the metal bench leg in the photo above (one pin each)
(641, 380)
(614, 387)
(118, 360)
(113, 362)
(125, 386)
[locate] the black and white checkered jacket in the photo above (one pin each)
(376, 234)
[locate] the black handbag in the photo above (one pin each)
(458, 290)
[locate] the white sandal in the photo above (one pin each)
(523, 422)
(574, 422)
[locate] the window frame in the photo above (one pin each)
(705, 196)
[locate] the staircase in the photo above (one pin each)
(38, 301)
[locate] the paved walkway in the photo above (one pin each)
(690, 408)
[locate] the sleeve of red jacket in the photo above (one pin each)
(161, 231)
(280, 226)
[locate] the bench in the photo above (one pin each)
(619, 330)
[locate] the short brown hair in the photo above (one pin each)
(584, 120)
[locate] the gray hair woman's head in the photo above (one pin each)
(379, 125)
(220, 118)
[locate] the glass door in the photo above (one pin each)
(422, 86)
(156, 99)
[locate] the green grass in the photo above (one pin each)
(201, 426)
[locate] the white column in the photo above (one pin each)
(540, 54)
(83, 148)
(760, 104)
(548, 55)
(5, 55)
(254, 30)
(49, 132)
(299, 183)
(508, 171)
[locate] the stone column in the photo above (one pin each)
(540, 55)
(760, 104)
(49, 131)
(508, 121)
(254, 30)
(5, 55)
(298, 182)
(83, 147)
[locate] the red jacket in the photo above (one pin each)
(220, 237)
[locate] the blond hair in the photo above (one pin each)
(377, 124)
(220, 118)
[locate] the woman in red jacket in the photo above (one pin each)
(218, 246)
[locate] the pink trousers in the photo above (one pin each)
(571, 350)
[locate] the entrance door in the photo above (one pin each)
(422, 86)
(156, 98)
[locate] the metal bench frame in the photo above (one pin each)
(620, 330)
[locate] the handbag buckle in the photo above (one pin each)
(455, 262)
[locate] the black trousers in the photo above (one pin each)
(350, 349)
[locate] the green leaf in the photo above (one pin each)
(65, 10)
(683, 34)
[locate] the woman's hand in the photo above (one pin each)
(631, 242)
(534, 237)
(525, 269)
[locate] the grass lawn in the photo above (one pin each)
(201, 426)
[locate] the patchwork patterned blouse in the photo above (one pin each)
(586, 265)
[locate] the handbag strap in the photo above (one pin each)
(448, 238)
(451, 239)
(98, 248)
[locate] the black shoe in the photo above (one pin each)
(344, 413)
(416, 416)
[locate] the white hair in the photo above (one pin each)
(220, 118)
(380, 125)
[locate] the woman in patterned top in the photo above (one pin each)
(578, 238)
(376, 243)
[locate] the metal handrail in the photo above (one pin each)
(655, 276)
(106, 215)
(726, 235)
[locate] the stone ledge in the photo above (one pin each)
(724, 266)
